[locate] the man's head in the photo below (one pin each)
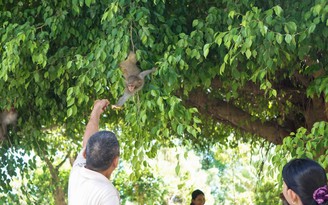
(101, 151)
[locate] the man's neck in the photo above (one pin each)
(106, 172)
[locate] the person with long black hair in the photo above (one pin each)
(304, 183)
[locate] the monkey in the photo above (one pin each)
(7, 117)
(134, 79)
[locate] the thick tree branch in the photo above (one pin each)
(305, 111)
(230, 114)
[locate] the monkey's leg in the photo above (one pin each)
(146, 72)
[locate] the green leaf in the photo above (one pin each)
(248, 42)
(206, 49)
(288, 38)
(263, 28)
(88, 3)
(177, 169)
(69, 112)
(70, 101)
(222, 68)
(36, 77)
(312, 28)
(278, 10)
(316, 9)
(274, 92)
(70, 91)
(195, 23)
(231, 14)
(69, 64)
(248, 53)
(302, 37)
(98, 86)
(180, 129)
(279, 38)
(291, 27)
(218, 38)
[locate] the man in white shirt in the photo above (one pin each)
(89, 182)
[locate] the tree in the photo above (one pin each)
(147, 189)
(254, 68)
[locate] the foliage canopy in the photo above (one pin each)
(251, 68)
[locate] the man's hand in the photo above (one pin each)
(99, 107)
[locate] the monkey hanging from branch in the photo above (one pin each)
(134, 78)
(7, 117)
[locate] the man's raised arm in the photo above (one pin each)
(93, 125)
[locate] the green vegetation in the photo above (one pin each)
(254, 70)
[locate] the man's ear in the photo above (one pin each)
(84, 153)
(115, 162)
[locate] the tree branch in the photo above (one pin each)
(230, 114)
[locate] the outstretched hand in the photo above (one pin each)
(100, 106)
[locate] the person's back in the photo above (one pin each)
(89, 182)
(88, 187)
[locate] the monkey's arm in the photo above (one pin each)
(4, 129)
(146, 72)
(122, 100)
(2, 133)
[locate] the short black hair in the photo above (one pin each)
(196, 193)
(101, 150)
(304, 176)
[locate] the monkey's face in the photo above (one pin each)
(134, 83)
(8, 117)
(131, 87)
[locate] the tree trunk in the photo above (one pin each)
(58, 193)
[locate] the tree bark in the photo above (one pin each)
(58, 194)
(305, 110)
(232, 115)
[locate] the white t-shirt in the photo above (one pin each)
(87, 187)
